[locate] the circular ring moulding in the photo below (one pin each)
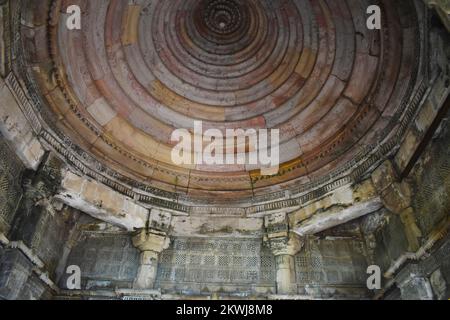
(136, 72)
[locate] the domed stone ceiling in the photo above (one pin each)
(136, 72)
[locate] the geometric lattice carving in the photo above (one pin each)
(216, 261)
(330, 262)
(10, 178)
(432, 187)
(105, 257)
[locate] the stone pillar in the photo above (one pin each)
(285, 274)
(284, 245)
(413, 284)
(397, 198)
(151, 241)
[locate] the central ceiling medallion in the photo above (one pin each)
(222, 17)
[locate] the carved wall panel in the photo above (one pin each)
(194, 264)
(432, 182)
(331, 262)
(11, 170)
(105, 259)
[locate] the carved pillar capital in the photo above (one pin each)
(284, 245)
(278, 237)
(154, 237)
(151, 241)
(290, 244)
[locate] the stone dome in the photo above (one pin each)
(134, 73)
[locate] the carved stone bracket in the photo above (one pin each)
(397, 198)
(151, 240)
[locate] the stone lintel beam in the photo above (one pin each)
(216, 226)
(335, 208)
(101, 202)
(326, 220)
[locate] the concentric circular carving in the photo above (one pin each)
(137, 71)
(221, 17)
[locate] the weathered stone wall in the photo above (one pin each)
(38, 233)
(107, 260)
(427, 278)
(17, 280)
(387, 232)
(431, 202)
(204, 265)
(3, 51)
(431, 181)
(52, 233)
(38, 224)
(11, 170)
(439, 271)
(201, 266)
(332, 268)
(390, 240)
(243, 266)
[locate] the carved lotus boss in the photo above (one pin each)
(135, 72)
